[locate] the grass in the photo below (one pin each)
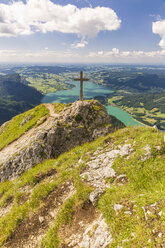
(64, 165)
(145, 186)
(52, 240)
(47, 82)
(59, 107)
(113, 99)
(20, 124)
(9, 222)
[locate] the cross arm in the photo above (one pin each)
(77, 79)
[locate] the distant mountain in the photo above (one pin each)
(15, 96)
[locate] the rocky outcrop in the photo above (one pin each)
(76, 124)
(100, 168)
(96, 235)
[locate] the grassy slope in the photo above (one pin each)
(146, 185)
(13, 129)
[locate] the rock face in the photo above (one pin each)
(99, 169)
(96, 235)
(76, 124)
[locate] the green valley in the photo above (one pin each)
(138, 90)
(146, 108)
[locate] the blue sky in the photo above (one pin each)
(109, 31)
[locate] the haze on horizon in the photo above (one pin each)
(82, 31)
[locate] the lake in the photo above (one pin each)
(91, 90)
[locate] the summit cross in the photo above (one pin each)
(81, 79)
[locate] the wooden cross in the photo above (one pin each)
(81, 79)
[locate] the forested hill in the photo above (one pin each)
(135, 83)
(146, 82)
(15, 96)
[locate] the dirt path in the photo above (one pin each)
(51, 109)
(27, 137)
(30, 233)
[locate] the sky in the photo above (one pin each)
(82, 31)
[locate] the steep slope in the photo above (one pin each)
(16, 97)
(107, 193)
(70, 125)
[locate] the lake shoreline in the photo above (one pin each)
(141, 123)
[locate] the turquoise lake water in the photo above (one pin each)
(91, 90)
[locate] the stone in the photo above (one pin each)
(149, 212)
(117, 207)
(160, 235)
(145, 214)
(97, 235)
(100, 168)
(155, 127)
(81, 223)
(121, 179)
(95, 196)
(108, 172)
(128, 212)
(160, 213)
(52, 214)
(28, 118)
(41, 219)
(133, 235)
(154, 205)
(125, 240)
(147, 148)
(80, 161)
(106, 160)
(113, 154)
(125, 150)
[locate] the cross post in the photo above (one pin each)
(81, 79)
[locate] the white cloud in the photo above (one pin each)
(159, 28)
(115, 55)
(37, 56)
(81, 44)
(112, 56)
(100, 52)
(19, 18)
(115, 51)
